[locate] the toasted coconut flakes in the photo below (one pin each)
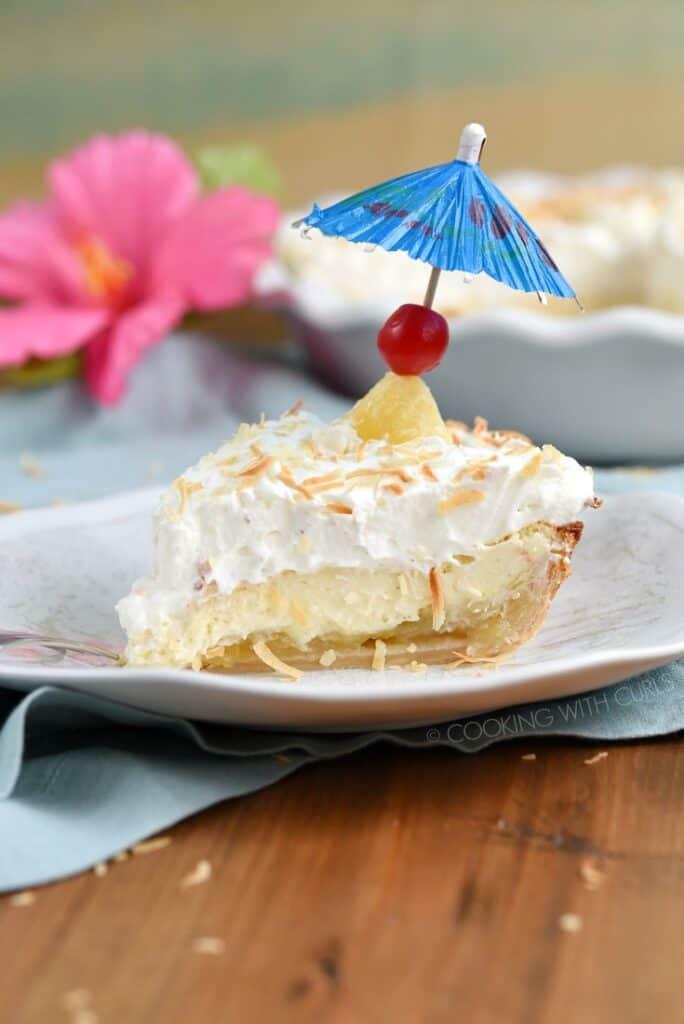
(30, 466)
(462, 658)
(262, 419)
(295, 408)
(403, 584)
(100, 869)
(601, 756)
(229, 461)
(394, 488)
(595, 502)
(570, 923)
(290, 482)
(497, 438)
(513, 438)
(408, 458)
(552, 451)
(182, 495)
(215, 652)
(151, 845)
(246, 482)
(121, 856)
(532, 466)
(529, 757)
(209, 945)
(591, 873)
(427, 470)
(475, 470)
(22, 899)
(265, 654)
(378, 663)
(417, 666)
(327, 658)
(366, 471)
(277, 599)
(9, 506)
(299, 613)
(380, 471)
(412, 648)
(437, 597)
(457, 425)
(201, 873)
(328, 485)
(185, 488)
(312, 448)
(343, 510)
(256, 450)
(257, 468)
(460, 498)
(361, 451)
(324, 478)
(403, 474)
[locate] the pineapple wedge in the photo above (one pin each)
(398, 409)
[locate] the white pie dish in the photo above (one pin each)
(605, 386)
(621, 613)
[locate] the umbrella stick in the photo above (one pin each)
(432, 287)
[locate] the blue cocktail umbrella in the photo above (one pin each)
(452, 217)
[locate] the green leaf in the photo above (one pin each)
(37, 373)
(238, 164)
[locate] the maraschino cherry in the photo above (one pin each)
(413, 339)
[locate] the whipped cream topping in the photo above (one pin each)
(296, 494)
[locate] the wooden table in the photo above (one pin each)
(386, 886)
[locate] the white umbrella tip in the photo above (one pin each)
(473, 138)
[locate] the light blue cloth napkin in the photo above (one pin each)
(82, 778)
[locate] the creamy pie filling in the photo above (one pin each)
(302, 542)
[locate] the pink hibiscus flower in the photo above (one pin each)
(124, 246)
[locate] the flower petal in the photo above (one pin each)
(213, 252)
(35, 260)
(115, 350)
(45, 331)
(125, 191)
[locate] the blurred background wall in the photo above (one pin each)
(344, 93)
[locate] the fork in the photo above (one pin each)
(10, 637)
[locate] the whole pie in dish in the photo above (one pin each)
(387, 537)
(618, 237)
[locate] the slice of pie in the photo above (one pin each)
(386, 537)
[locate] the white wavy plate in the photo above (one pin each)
(622, 612)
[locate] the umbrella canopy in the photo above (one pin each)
(452, 217)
